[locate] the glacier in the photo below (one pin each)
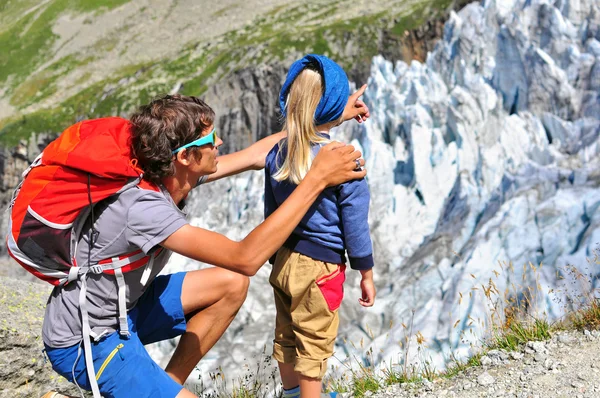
(483, 169)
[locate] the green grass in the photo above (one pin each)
(588, 317)
(364, 382)
(519, 333)
(456, 366)
(335, 385)
(393, 376)
(27, 42)
(419, 14)
(43, 84)
(98, 6)
(199, 84)
(34, 89)
(12, 10)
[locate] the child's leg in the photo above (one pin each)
(309, 387)
(289, 377)
(284, 344)
(316, 289)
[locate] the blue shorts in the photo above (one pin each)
(123, 366)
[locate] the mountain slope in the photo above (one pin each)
(70, 59)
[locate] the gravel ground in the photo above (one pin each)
(565, 366)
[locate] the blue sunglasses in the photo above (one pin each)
(207, 139)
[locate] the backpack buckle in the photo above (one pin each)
(96, 269)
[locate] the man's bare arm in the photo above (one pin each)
(251, 158)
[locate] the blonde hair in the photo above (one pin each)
(303, 99)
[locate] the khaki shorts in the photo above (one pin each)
(308, 294)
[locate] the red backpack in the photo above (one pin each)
(89, 162)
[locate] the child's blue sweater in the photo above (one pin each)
(337, 221)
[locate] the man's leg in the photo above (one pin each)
(210, 298)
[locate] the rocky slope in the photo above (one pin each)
(86, 59)
(24, 371)
(13, 161)
(565, 366)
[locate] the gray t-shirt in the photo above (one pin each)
(135, 219)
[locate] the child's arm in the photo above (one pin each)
(354, 200)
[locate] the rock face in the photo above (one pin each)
(12, 164)
(247, 105)
(24, 371)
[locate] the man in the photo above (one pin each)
(176, 146)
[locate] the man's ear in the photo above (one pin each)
(183, 157)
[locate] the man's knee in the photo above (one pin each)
(237, 287)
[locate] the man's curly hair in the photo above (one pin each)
(163, 125)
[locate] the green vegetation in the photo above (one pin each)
(98, 6)
(587, 317)
(38, 86)
(518, 333)
(27, 42)
(365, 382)
(283, 34)
(419, 14)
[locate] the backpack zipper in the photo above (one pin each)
(108, 359)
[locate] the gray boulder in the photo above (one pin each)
(24, 370)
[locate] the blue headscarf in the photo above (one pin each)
(335, 87)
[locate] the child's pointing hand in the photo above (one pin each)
(355, 108)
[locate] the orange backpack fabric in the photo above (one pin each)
(89, 162)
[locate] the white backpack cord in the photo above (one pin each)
(73, 369)
(87, 344)
(123, 325)
(147, 270)
(85, 321)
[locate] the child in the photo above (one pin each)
(309, 271)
